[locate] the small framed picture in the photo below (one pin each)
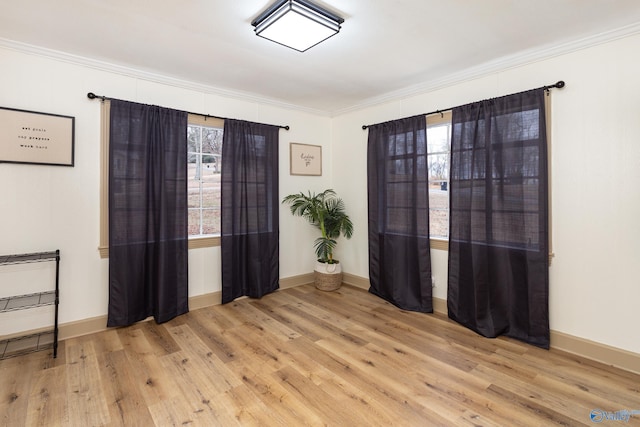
(305, 159)
(36, 138)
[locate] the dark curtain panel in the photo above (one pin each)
(498, 242)
(147, 213)
(399, 254)
(250, 262)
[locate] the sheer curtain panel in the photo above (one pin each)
(147, 213)
(250, 206)
(498, 244)
(398, 202)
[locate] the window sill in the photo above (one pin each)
(204, 242)
(439, 244)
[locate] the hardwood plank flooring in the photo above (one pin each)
(305, 357)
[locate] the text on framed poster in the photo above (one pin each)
(305, 159)
(36, 138)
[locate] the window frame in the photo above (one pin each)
(194, 242)
(210, 239)
(436, 119)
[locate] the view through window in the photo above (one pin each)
(204, 153)
(439, 147)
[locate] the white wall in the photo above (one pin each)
(595, 275)
(48, 207)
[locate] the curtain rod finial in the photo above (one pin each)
(560, 84)
(92, 95)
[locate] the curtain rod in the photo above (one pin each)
(92, 95)
(560, 84)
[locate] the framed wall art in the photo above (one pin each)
(36, 138)
(305, 159)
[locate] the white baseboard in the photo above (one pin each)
(291, 282)
(603, 353)
(592, 350)
(99, 323)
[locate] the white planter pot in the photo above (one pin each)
(323, 267)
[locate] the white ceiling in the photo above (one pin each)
(385, 47)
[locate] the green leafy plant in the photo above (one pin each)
(325, 211)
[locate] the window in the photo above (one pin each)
(204, 153)
(439, 130)
(439, 148)
(204, 229)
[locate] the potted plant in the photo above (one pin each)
(325, 211)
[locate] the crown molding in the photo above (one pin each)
(497, 65)
(150, 76)
(494, 66)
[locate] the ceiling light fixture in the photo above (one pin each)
(298, 24)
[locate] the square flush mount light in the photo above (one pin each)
(298, 24)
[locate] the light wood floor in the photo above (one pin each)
(306, 357)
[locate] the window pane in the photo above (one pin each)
(439, 210)
(193, 181)
(438, 221)
(210, 221)
(438, 138)
(212, 140)
(438, 168)
(194, 222)
(210, 189)
(193, 139)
